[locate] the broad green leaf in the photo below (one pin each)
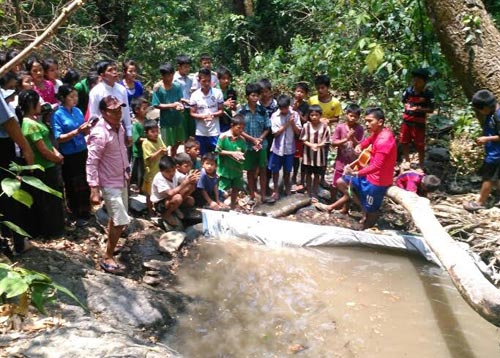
(68, 293)
(23, 197)
(19, 168)
(15, 228)
(38, 296)
(13, 285)
(374, 58)
(10, 185)
(37, 183)
(36, 277)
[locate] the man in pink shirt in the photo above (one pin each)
(108, 172)
(371, 182)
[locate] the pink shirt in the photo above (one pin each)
(107, 161)
(380, 171)
(48, 94)
(345, 152)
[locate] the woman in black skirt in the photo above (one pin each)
(69, 129)
(46, 216)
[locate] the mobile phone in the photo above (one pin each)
(93, 120)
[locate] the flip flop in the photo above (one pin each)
(472, 206)
(110, 268)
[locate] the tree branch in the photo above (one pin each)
(50, 31)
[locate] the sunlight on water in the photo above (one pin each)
(250, 300)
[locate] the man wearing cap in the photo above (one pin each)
(109, 86)
(108, 172)
(418, 102)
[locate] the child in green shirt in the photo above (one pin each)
(231, 148)
(139, 107)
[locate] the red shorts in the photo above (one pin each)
(409, 134)
(299, 148)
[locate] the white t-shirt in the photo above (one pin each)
(102, 90)
(161, 184)
(204, 105)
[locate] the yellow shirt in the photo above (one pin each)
(151, 166)
(330, 109)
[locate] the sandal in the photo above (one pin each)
(473, 206)
(111, 268)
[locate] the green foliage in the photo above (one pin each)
(18, 281)
(32, 286)
(12, 188)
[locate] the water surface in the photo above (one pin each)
(255, 301)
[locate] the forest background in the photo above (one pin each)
(368, 47)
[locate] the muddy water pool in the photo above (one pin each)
(249, 300)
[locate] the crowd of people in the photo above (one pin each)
(97, 138)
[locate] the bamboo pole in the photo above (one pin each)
(49, 31)
(477, 291)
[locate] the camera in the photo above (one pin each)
(46, 108)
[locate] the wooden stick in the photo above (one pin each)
(50, 31)
(474, 287)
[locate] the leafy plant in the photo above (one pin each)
(17, 282)
(30, 287)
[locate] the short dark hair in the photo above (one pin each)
(127, 63)
(64, 91)
(204, 72)
(265, 84)
(205, 56)
(103, 65)
(422, 73)
(252, 88)
(183, 60)
(190, 143)
(166, 69)
(182, 158)
(149, 124)
(49, 62)
(31, 61)
(223, 71)
(9, 76)
(431, 183)
(166, 162)
(303, 86)
(137, 102)
(315, 108)
(209, 156)
(71, 77)
(377, 112)
(92, 78)
(353, 108)
(484, 98)
(283, 101)
(238, 119)
(322, 80)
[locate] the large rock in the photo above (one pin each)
(86, 337)
(171, 241)
(438, 154)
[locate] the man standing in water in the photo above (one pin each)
(371, 183)
(108, 172)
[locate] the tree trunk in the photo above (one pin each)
(472, 48)
(477, 291)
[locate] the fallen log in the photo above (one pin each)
(285, 206)
(474, 287)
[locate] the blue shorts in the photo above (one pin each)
(207, 144)
(371, 195)
(278, 161)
